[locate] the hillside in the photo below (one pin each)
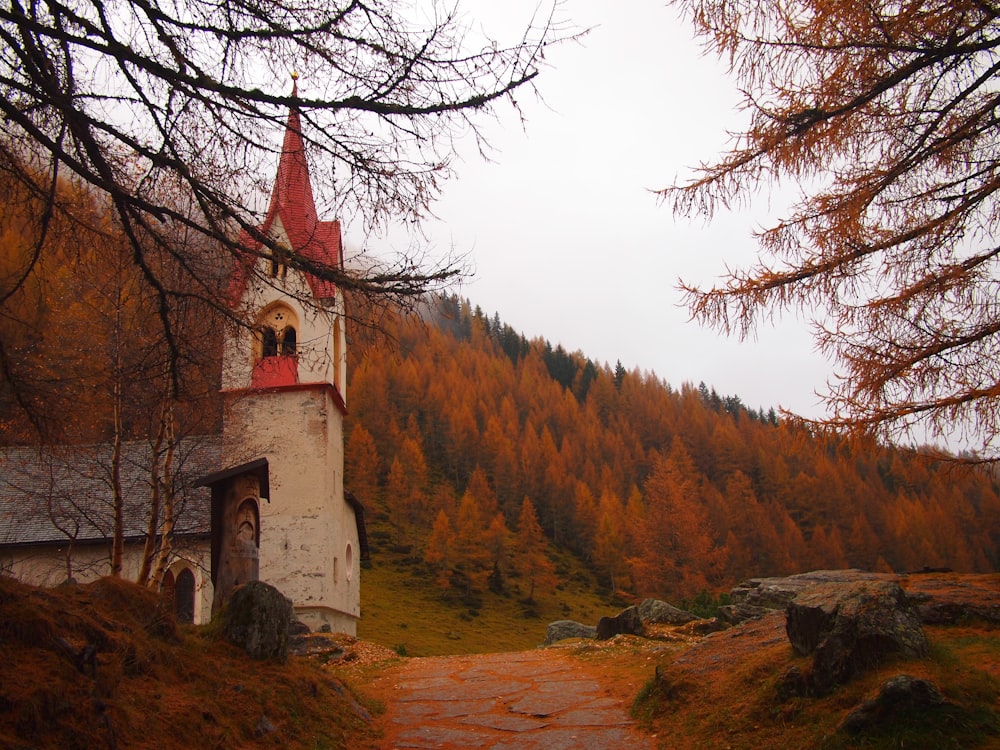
(105, 665)
(483, 457)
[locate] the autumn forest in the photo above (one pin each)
(480, 449)
(472, 442)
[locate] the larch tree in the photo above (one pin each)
(361, 463)
(531, 560)
(676, 555)
(884, 115)
(471, 556)
(440, 549)
(609, 542)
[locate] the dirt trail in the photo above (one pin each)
(532, 700)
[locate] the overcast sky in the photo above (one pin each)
(565, 237)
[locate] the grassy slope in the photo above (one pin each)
(156, 686)
(725, 693)
(403, 608)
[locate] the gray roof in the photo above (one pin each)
(48, 494)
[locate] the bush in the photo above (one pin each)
(704, 604)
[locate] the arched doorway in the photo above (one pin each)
(184, 586)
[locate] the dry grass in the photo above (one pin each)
(724, 693)
(152, 684)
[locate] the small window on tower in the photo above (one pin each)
(279, 263)
(270, 343)
(288, 342)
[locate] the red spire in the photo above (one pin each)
(292, 202)
(292, 196)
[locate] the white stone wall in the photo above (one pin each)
(45, 565)
(305, 526)
(309, 546)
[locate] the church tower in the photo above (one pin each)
(284, 383)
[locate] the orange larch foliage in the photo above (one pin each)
(662, 490)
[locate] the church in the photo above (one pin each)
(266, 498)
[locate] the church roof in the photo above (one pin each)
(293, 204)
(46, 492)
(43, 489)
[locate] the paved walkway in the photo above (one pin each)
(532, 700)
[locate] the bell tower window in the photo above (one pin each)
(269, 343)
(288, 342)
(276, 355)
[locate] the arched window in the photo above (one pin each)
(269, 345)
(275, 361)
(167, 586)
(184, 596)
(288, 342)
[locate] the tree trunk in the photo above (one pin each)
(167, 495)
(117, 501)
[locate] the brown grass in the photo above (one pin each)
(155, 685)
(724, 693)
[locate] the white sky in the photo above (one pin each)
(566, 240)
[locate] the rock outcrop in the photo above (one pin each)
(939, 598)
(850, 627)
(777, 592)
(660, 613)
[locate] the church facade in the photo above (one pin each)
(284, 391)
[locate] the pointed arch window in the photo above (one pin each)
(269, 342)
(288, 342)
(276, 358)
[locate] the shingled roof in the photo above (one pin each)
(43, 489)
(293, 204)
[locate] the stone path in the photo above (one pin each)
(533, 700)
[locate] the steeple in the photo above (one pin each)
(293, 210)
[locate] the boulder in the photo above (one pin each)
(849, 627)
(626, 622)
(661, 613)
(897, 694)
(257, 618)
(562, 629)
